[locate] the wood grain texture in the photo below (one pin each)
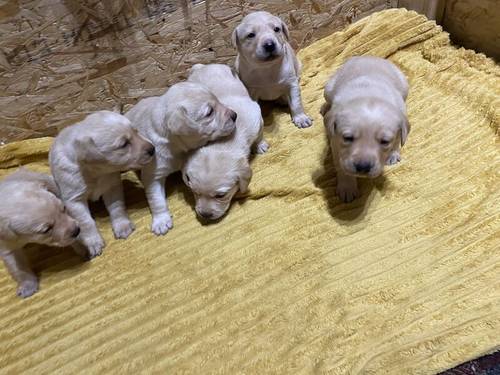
(62, 59)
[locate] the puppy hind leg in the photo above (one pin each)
(299, 118)
(18, 267)
(115, 204)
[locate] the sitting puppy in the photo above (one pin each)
(31, 212)
(217, 171)
(186, 117)
(86, 160)
(365, 119)
(267, 64)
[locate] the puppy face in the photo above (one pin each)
(214, 178)
(112, 143)
(196, 115)
(261, 37)
(37, 216)
(364, 134)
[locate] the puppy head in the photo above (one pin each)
(107, 140)
(215, 177)
(196, 116)
(37, 216)
(364, 133)
(261, 37)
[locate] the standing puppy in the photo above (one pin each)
(186, 117)
(86, 160)
(31, 212)
(365, 119)
(267, 64)
(215, 172)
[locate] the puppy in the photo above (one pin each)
(86, 160)
(365, 119)
(186, 117)
(215, 172)
(267, 64)
(31, 212)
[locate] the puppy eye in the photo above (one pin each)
(277, 29)
(348, 138)
(46, 229)
(187, 178)
(385, 142)
(251, 35)
(210, 112)
(124, 144)
(220, 195)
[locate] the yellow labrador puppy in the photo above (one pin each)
(267, 64)
(365, 119)
(86, 160)
(185, 118)
(215, 172)
(31, 212)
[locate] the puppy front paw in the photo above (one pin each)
(123, 228)
(161, 224)
(302, 120)
(261, 147)
(347, 192)
(27, 288)
(393, 158)
(95, 245)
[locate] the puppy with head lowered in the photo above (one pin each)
(31, 212)
(217, 171)
(267, 64)
(86, 160)
(185, 118)
(365, 118)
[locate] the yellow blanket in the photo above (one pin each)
(404, 280)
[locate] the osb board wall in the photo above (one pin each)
(61, 59)
(474, 24)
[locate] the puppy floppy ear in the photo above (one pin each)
(329, 118)
(234, 38)
(405, 129)
(6, 232)
(86, 149)
(244, 175)
(177, 120)
(50, 185)
(284, 27)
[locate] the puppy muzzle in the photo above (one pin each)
(269, 50)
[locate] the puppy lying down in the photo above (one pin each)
(86, 160)
(215, 173)
(31, 212)
(186, 117)
(365, 119)
(267, 64)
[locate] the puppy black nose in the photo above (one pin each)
(234, 116)
(151, 151)
(75, 232)
(363, 167)
(205, 215)
(269, 46)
